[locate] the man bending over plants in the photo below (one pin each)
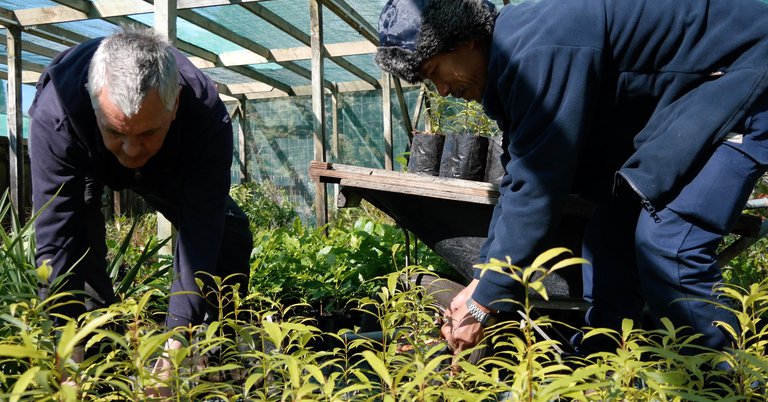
(657, 110)
(130, 111)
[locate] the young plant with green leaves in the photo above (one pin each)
(269, 350)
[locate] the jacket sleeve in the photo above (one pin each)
(547, 97)
(200, 223)
(58, 180)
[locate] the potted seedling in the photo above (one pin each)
(427, 146)
(465, 152)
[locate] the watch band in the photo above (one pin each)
(485, 319)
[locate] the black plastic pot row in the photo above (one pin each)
(455, 155)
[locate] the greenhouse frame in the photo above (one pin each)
(298, 77)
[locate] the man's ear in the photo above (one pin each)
(176, 106)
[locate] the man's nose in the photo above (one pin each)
(131, 147)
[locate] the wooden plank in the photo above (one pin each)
(39, 16)
(441, 187)
(79, 10)
(334, 125)
(165, 18)
(27, 77)
(25, 65)
(248, 87)
(337, 170)
(165, 24)
(458, 190)
(243, 134)
(318, 105)
(306, 90)
(305, 52)
(56, 34)
(245, 57)
(422, 192)
(406, 118)
(386, 109)
(7, 17)
(37, 49)
(354, 19)
(15, 122)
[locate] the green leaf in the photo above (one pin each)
(548, 255)
(378, 366)
(44, 272)
(22, 383)
(20, 352)
(538, 287)
(67, 344)
(568, 262)
(627, 325)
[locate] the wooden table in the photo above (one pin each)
(451, 216)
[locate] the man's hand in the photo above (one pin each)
(163, 371)
(461, 330)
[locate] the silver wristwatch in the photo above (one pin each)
(485, 319)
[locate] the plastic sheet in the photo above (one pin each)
(426, 151)
(464, 157)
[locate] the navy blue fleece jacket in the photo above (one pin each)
(583, 89)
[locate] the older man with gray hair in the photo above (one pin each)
(131, 112)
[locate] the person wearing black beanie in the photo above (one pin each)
(656, 110)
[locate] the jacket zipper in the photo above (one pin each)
(643, 200)
(137, 174)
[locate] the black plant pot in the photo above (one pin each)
(494, 170)
(464, 156)
(426, 149)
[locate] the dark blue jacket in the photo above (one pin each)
(583, 89)
(188, 178)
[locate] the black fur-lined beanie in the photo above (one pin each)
(411, 31)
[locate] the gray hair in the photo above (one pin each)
(130, 64)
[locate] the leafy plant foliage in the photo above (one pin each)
(267, 349)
